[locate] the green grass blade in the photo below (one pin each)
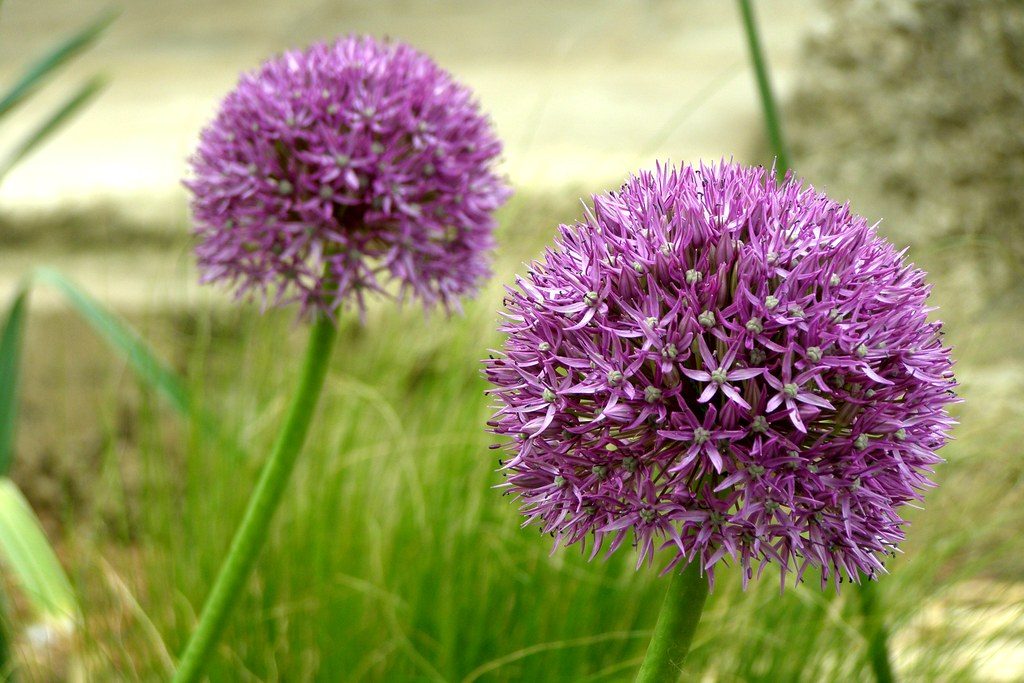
(11, 338)
(122, 339)
(142, 359)
(52, 123)
(6, 651)
(57, 57)
(29, 559)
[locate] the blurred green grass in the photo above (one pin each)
(393, 558)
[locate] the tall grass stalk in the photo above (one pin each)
(6, 650)
(874, 626)
(252, 532)
(772, 120)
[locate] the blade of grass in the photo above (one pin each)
(125, 595)
(585, 641)
(142, 359)
(37, 73)
(121, 338)
(11, 338)
(6, 651)
(53, 122)
(28, 557)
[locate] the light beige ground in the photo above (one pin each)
(582, 91)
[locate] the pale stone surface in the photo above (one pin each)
(914, 110)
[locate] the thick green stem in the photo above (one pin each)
(875, 633)
(253, 529)
(772, 121)
(677, 622)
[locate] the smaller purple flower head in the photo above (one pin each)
(724, 368)
(344, 169)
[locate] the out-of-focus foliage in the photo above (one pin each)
(24, 550)
(36, 75)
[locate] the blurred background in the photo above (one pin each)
(581, 92)
(392, 559)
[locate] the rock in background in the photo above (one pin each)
(915, 110)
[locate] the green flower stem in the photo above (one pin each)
(764, 86)
(875, 632)
(253, 529)
(677, 622)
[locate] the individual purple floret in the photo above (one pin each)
(725, 368)
(334, 171)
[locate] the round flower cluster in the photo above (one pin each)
(730, 369)
(330, 172)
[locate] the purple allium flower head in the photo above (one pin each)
(727, 369)
(332, 171)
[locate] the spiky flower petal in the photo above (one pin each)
(801, 409)
(332, 172)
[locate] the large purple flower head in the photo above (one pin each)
(334, 171)
(727, 369)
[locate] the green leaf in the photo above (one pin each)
(118, 335)
(128, 344)
(53, 122)
(11, 338)
(122, 339)
(28, 557)
(36, 74)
